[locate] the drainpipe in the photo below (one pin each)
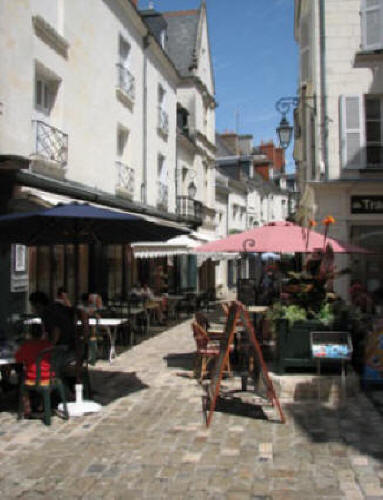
(323, 110)
(144, 187)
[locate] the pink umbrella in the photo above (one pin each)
(281, 237)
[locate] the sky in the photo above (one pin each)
(255, 62)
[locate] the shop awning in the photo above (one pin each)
(180, 245)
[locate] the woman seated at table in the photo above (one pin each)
(151, 303)
(27, 354)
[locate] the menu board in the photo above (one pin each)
(238, 312)
(224, 348)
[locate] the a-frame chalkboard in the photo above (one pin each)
(238, 312)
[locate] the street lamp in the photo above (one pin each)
(285, 130)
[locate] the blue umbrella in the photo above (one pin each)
(81, 223)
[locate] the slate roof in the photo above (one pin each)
(182, 37)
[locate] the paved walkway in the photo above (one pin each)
(150, 441)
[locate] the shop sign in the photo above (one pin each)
(367, 204)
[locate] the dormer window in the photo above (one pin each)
(163, 38)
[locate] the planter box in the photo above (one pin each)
(293, 344)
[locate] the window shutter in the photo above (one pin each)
(305, 38)
(352, 131)
(372, 24)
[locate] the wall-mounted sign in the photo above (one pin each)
(19, 268)
(369, 204)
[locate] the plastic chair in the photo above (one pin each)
(58, 355)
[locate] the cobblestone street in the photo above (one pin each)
(150, 440)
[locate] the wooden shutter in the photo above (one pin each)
(372, 24)
(305, 39)
(352, 131)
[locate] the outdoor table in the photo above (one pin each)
(173, 301)
(111, 325)
(257, 311)
(134, 313)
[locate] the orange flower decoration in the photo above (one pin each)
(328, 220)
(312, 223)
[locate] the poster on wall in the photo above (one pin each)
(19, 268)
(373, 356)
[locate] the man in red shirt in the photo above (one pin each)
(27, 354)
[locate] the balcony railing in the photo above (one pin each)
(187, 207)
(162, 196)
(125, 176)
(163, 121)
(50, 142)
(126, 81)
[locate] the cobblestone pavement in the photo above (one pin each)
(150, 440)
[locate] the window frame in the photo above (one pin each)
(364, 10)
(46, 94)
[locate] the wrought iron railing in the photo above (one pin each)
(125, 176)
(162, 196)
(50, 142)
(187, 207)
(163, 120)
(126, 81)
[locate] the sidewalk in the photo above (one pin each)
(150, 440)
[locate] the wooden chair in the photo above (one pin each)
(207, 349)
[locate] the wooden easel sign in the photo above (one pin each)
(237, 311)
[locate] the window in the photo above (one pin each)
(161, 96)
(163, 38)
(43, 94)
(162, 176)
(122, 141)
(361, 131)
(374, 140)
(163, 119)
(372, 24)
(124, 51)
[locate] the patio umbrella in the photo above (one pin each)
(280, 237)
(81, 223)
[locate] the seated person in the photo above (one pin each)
(136, 293)
(60, 325)
(95, 302)
(27, 354)
(62, 297)
(149, 297)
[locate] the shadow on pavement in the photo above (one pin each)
(109, 386)
(184, 360)
(349, 423)
(106, 388)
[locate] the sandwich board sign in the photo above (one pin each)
(237, 313)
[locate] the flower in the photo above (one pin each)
(328, 220)
(312, 223)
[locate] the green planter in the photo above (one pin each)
(293, 344)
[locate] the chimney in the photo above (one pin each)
(232, 141)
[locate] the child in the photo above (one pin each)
(27, 354)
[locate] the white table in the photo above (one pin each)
(110, 324)
(7, 361)
(173, 301)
